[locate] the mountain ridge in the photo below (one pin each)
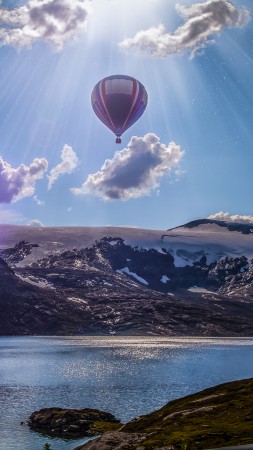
(192, 280)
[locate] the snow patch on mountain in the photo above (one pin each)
(35, 282)
(77, 300)
(164, 279)
(199, 290)
(137, 277)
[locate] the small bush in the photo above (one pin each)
(47, 446)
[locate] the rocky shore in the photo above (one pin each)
(221, 416)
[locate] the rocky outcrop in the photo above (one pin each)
(70, 423)
(153, 269)
(116, 440)
(16, 254)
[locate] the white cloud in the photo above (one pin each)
(69, 163)
(53, 21)
(231, 218)
(134, 171)
(16, 184)
(202, 22)
(35, 223)
(38, 201)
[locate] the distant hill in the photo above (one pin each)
(245, 228)
(191, 280)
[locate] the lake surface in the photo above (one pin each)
(127, 376)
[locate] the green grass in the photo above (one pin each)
(104, 427)
(218, 416)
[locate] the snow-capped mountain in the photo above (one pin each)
(193, 279)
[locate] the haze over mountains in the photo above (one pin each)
(191, 280)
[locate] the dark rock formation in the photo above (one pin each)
(244, 228)
(72, 423)
(18, 252)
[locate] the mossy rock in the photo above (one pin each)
(72, 423)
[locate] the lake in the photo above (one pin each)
(126, 376)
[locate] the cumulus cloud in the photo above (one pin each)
(231, 218)
(53, 21)
(35, 223)
(134, 171)
(16, 184)
(68, 164)
(202, 22)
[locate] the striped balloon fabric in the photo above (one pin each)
(119, 101)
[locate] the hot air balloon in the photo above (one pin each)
(119, 101)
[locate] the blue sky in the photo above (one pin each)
(56, 157)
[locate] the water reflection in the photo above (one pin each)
(127, 376)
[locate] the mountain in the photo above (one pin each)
(191, 280)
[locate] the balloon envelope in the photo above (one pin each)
(119, 101)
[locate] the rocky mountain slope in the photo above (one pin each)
(220, 416)
(191, 280)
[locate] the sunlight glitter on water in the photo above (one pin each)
(144, 341)
(127, 376)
